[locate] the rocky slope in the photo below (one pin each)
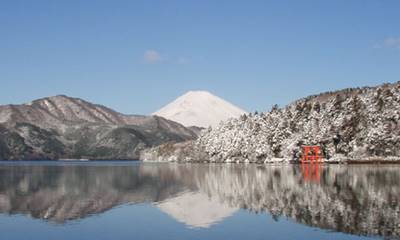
(351, 124)
(64, 127)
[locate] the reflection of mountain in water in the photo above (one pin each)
(196, 209)
(353, 199)
(70, 192)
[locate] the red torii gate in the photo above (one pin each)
(307, 157)
(309, 162)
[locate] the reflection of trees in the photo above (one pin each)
(352, 199)
(359, 199)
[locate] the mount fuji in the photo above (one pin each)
(200, 109)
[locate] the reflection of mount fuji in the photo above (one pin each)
(359, 200)
(196, 209)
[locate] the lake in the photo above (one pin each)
(134, 200)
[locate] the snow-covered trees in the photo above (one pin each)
(352, 123)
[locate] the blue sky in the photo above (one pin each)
(136, 56)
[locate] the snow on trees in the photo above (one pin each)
(352, 123)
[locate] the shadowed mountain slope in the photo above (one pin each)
(64, 127)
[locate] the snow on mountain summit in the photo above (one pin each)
(199, 108)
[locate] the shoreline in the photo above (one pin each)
(279, 162)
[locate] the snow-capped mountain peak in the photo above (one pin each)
(199, 108)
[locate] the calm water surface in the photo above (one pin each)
(132, 200)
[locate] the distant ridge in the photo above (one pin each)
(200, 109)
(62, 127)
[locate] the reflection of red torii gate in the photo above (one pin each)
(309, 162)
